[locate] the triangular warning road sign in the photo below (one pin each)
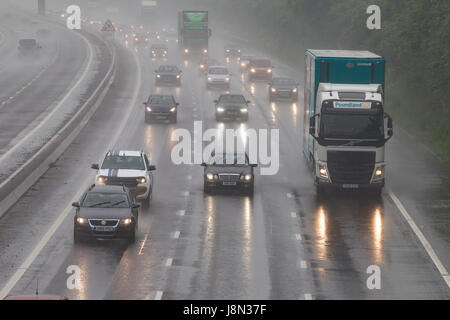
(108, 26)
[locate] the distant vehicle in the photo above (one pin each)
(158, 50)
(206, 63)
(229, 171)
(140, 39)
(129, 168)
(244, 61)
(29, 48)
(168, 74)
(218, 76)
(35, 297)
(105, 212)
(232, 51)
(259, 68)
(231, 106)
(161, 106)
(193, 32)
(169, 35)
(284, 88)
(345, 126)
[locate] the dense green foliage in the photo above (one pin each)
(414, 39)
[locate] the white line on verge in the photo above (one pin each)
(422, 239)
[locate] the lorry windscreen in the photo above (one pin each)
(355, 125)
(195, 33)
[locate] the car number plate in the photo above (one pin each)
(229, 183)
(104, 229)
(350, 186)
(160, 117)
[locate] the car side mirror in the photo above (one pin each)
(76, 204)
(95, 166)
(151, 168)
(144, 103)
(136, 205)
(248, 101)
(203, 164)
(156, 70)
(216, 101)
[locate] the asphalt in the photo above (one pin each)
(284, 243)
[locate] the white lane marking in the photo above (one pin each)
(169, 262)
(143, 244)
(60, 103)
(41, 244)
(308, 296)
(181, 212)
(428, 248)
(159, 294)
(298, 236)
(294, 214)
(176, 234)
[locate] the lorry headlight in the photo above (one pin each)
(274, 90)
(252, 70)
(269, 70)
(323, 172)
(220, 109)
(158, 76)
(149, 109)
(209, 176)
(141, 180)
(102, 179)
(244, 110)
(81, 220)
(178, 76)
(379, 172)
(173, 109)
(227, 79)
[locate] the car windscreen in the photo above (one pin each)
(229, 159)
(235, 98)
(123, 162)
(260, 63)
(168, 69)
(352, 126)
(105, 200)
(218, 71)
(283, 82)
(160, 100)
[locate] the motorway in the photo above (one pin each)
(283, 243)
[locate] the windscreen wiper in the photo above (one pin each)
(100, 203)
(118, 202)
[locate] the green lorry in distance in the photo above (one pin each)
(193, 32)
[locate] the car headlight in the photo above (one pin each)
(165, 52)
(248, 177)
(220, 109)
(158, 76)
(126, 221)
(244, 110)
(81, 220)
(252, 70)
(205, 50)
(239, 50)
(228, 50)
(102, 179)
(242, 64)
(227, 79)
(173, 109)
(149, 109)
(186, 50)
(209, 79)
(323, 172)
(153, 52)
(202, 66)
(274, 90)
(141, 180)
(178, 76)
(209, 176)
(269, 70)
(136, 39)
(294, 90)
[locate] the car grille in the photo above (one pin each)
(168, 78)
(229, 177)
(350, 167)
(108, 222)
(118, 181)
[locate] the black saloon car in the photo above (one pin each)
(105, 211)
(284, 88)
(231, 106)
(229, 171)
(161, 107)
(29, 48)
(168, 74)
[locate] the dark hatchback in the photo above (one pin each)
(283, 88)
(161, 107)
(105, 212)
(29, 48)
(232, 51)
(167, 74)
(231, 106)
(228, 171)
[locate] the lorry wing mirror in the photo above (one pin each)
(390, 127)
(312, 125)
